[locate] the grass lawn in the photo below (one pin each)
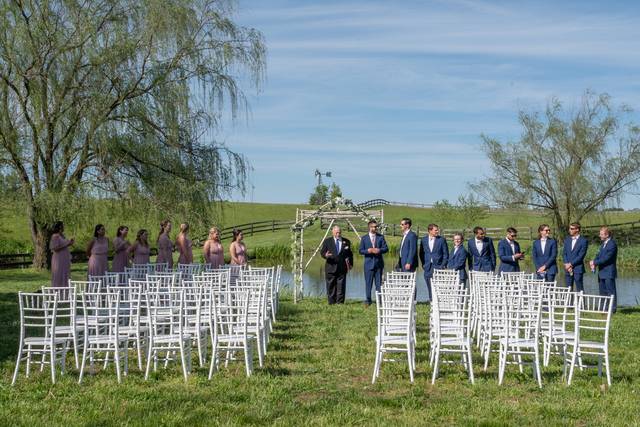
(318, 371)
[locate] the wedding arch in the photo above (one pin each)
(337, 209)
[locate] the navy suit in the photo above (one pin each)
(373, 263)
(433, 259)
(484, 261)
(507, 263)
(575, 257)
(457, 261)
(547, 258)
(607, 272)
(409, 252)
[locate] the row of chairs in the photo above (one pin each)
(522, 319)
(159, 316)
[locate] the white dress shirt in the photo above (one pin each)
(479, 245)
(543, 244)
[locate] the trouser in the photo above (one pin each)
(371, 276)
(427, 278)
(546, 276)
(607, 287)
(336, 286)
(576, 278)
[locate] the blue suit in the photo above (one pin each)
(507, 262)
(457, 261)
(484, 261)
(433, 259)
(575, 257)
(409, 252)
(547, 258)
(607, 272)
(373, 263)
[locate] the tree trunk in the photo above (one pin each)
(40, 237)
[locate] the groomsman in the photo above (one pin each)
(481, 251)
(408, 260)
(573, 253)
(434, 253)
(605, 261)
(337, 251)
(509, 252)
(458, 257)
(372, 247)
(544, 254)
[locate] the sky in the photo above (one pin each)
(393, 97)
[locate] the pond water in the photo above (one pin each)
(627, 284)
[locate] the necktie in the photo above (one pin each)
(338, 245)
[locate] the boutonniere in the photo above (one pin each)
(346, 247)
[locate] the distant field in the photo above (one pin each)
(15, 236)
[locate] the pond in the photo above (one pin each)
(627, 284)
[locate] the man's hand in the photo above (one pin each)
(542, 269)
(407, 267)
(328, 254)
(567, 266)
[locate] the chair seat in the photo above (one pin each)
(43, 341)
(587, 344)
(519, 342)
(163, 339)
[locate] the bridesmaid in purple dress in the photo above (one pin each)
(98, 251)
(165, 246)
(184, 245)
(121, 250)
(213, 250)
(61, 257)
(238, 250)
(140, 248)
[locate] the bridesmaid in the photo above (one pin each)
(238, 250)
(165, 246)
(140, 248)
(213, 250)
(61, 257)
(121, 250)
(184, 245)
(98, 250)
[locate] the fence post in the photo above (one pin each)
(273, 225)
(252, 229)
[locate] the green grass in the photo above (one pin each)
(318, 372)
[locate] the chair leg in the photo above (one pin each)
(409, 357)
(606, 366)
(502, 364)
(149, 356)
(435, 365)
(184, 361)
(52, 355)
(248, 359)
(15, 371)
(82, 364)
(470, 364)
(116, 359)
(376, 366)
(574, 355)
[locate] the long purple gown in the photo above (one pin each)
(165, 250)
(60, 261)
(241, 254)
(186, 251)
(121, 255)
(141, 254)
(98, 262)
(214, 255)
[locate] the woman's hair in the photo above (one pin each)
(213, 230)
(163, 227)
(121, 229)
(236, 233)
(57, 227)
(95, 230)
(139, 236)
(184, 227)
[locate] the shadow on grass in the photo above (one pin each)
(9, 324)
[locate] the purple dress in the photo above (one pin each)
(214, 255)
(141, 254)
(186, 251)
(165, 250)
(98, 260)
(60, 260)
(121, 255)
(241, 254)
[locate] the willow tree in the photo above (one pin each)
(107, 97)
(565, 163)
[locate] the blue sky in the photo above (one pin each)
(392, 96)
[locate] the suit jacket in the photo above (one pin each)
(485, 261)
(548, 257)
(606, 260)
(373, 261)
(409, 251)
(458, 260)
(576, 256)
(436, 259)
(336, 262)
(507, 263)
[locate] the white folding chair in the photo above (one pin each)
(38, 335)
(67, 324)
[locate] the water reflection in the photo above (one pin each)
(628, 282)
